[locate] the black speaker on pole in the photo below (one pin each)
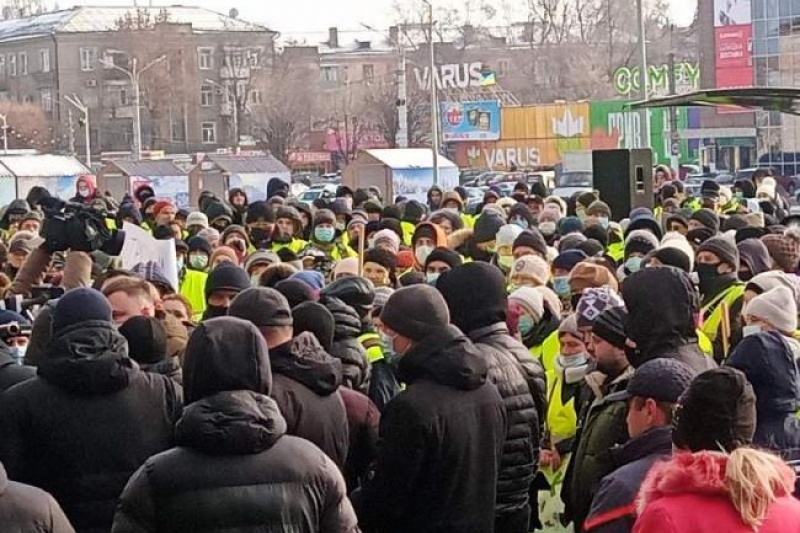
(624, 179)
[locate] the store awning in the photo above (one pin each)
(783, 99)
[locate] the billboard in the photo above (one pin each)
(733, 43)
(470, 121)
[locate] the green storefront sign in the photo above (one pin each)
(615, 126)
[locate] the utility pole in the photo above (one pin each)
(4, 119)
(80, 106)
(643, 77)
(71, 132)
(401, 137)
(674, 147)
(434, 99)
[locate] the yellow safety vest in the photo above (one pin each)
(468, 220)
(616, 251)
(548, 351)
(372, 345)
(705, 345)
(711, 313)
(296, 246)
(408, 232)
(193, 287)
(561, 422)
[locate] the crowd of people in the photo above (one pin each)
(395, 365)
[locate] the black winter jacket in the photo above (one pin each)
(346, 346)
(26, 509)
(520, 380)
(10, 372)
(441, 443)
(86, 423)
(305, 383)
(363, 419)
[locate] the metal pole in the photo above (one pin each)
(674, 137)
(401, 137)
(137, 113)
(235, 118)
(645, 117)
(71, 133)
(88, 138)
(434, 102)
(4, 118)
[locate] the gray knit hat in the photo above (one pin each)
(777, 307)
(416, 311)
(723, 247)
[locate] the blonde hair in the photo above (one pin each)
(131, 286)
(754, 480)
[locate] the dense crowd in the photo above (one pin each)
(366, 365)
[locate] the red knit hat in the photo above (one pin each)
(160, 205)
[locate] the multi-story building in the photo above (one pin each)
(200, 73)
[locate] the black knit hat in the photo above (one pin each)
(724, 248)
(707, 218)
(487, 226)
(717, 411)
(710, 189)
(147, 339)
(673, 257)
(262, 306)
(415, 312)
(295, 291)
(381, 257)
(412, 278)
(476, 295)
(531, 238)
(610, 326)
(259, 212)
(199, 244)
(315, 318)
(227, 276)
(80, 305)
(699, 235)
(445, 255)
(413, 211)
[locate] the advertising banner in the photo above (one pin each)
(733, 43)
(470, 121)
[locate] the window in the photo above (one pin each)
(88, 58)
(2, 65)
(46, 96)
(256, 97)
(124, 97)
(254, 57)
(205, 58)
(502, 68)
(44, 60)
(12, 65)
(328, 74)
(177, 130)
(368, 72)
(206, 95)
(209, 132)
(23, 64)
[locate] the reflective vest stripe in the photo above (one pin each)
(372, 345)
(548, 351)
(712, 312)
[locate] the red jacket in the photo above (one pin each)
(686, 495)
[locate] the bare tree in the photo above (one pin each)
(28, 126)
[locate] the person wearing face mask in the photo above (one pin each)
(85, 190)
(538, 323)
(521, 215)
(193, 280)
(754, 259)
(195, 223)
(222, 286)
(453, 202)
(425, 238)
(15, 333)
(220, 215)
(561, 268)
(638, 244)
(325, 237)
(528, 271)
(504, 241)
(717, 264)
(440, 261)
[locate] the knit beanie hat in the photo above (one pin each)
(382, 295)
(487, 226)
(80, 305)
(717, 411)
(531, 267)
(571, 242)
(260, 257)
(200, 244)
(445, 255)
(568, 260)
(610, 326)
(723, 247)
(381, 257)
(227, 276)
(707, 218)
(674, 240)
(295, 291)
(262, 306)
(673, 257)
(413, 211)
(196, 218)
(754, 254)
(598, 208)
(589, 275)
(776, 307)
(570, 325)
(347, 266)
(316, 319)
(475, 294)
(551, 300)
(569, 225)
(209, 234)
(224, 251)
(531, 238)
(640, 241)
(530, 300)
(324, 216)
(593, 302)
(699, 235)
(147, 339)
(387, 236)
(784, 249)
(312, 278)
(416, 311)
(507, 234)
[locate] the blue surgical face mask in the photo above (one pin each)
(633, 264)
(324, 234)
(432, 277)
(526, 325)
(603, 222)
(18, 353)
(519, 221)
(572, 361)
(752, 329)
(387, 345)
(561, 286)
(179, 263)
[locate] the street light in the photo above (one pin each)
(226, 92)
(80, 106)
(135, 74)
(434, 99)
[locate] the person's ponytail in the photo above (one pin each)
(754, 480)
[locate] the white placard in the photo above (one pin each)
(141, 247)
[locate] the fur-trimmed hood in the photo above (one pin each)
(459, 238)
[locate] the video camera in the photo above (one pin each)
(14, 329)
(72, 226)
(40, 295)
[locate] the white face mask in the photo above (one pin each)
(752, 329)
(422, 253)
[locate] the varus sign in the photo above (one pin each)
(452, 76)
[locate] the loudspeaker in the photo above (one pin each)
(624, 179)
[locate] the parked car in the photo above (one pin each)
(327, 190)
(572, 182)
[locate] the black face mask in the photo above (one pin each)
(707, 274)
(259, 236)
(745, 275)
(215, 311)
(573, 301)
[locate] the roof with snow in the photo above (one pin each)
(408, 158)
(43, 166)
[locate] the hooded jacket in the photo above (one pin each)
(442, 440)
(346, 346)
(90, 183)
(305, 386)
(86, 422)
(687, 494)
(441, 240)
(234, 467)
(363, 418)
(24, 508)
(432, 206)
(16, 206)
(662, 305)
(10, 372)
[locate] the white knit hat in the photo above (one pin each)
(349, 265)
(551, 300)
(507, 234)
(675, 240)
(767, 281)
(530, 300)
(533, 267)
(776, 307)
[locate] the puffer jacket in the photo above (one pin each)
(363, 419)
(441, 443)
(346, 346)
(305, 383)
(12, 373)
(170, 367)
(687, 494)
(26, 509)
(86, 422)
(234, 468)
(520, 380)
(662, 306)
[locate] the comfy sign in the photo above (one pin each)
(452, 76)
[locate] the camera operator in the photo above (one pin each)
(15, 332)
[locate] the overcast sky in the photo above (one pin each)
(299, 18)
